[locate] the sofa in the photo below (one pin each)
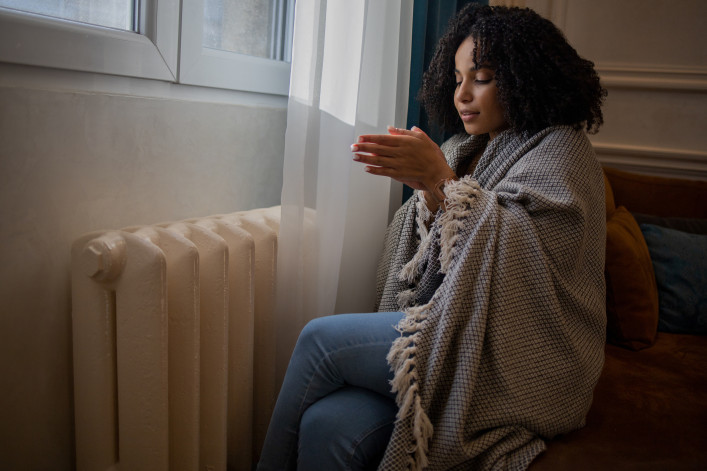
(649, 410)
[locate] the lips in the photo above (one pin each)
(468, 115)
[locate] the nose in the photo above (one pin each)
(463, 92)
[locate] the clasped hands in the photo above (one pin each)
(408, 156)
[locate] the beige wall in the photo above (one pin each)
(652, 58)
(73, 161)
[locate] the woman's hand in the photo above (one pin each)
(410, 157)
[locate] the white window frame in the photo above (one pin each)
(37, 40)
(30, 39)
(222, 69)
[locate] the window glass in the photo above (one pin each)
(117, 14)
(243, 45)
(251, 27)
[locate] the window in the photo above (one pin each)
(119, 14)
(253, 27)
(239, 44)
(232, 44)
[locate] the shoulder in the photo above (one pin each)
(568, 137)
(559, 147)
(556, 158)
(560, 163)
(562, 138)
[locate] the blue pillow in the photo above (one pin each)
(680, 265)
(691, 225)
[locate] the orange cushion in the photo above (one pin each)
(631, 291)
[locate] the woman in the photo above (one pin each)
(492, 274)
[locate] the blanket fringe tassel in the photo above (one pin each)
(460, 196)
(401, 358)
(413, 268)
(405, 383)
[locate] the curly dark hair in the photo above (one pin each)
(541, 79)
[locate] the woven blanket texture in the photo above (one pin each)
(504, 295)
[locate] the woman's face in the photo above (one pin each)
(475, 96)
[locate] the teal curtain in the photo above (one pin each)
(430, 19)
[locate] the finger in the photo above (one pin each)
(397, 131)
(381, 171)
(391, 140)
(414, 131)
(370, 159)
(420, 133)
(370, 148)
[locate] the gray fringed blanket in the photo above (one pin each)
(504, 300)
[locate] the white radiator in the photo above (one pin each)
(174, 343)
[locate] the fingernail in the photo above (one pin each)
(354, 148)
(356, 157)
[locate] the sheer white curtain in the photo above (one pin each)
(350, 76)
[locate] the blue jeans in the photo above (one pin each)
(335, 410)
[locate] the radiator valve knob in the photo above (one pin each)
(103, 258)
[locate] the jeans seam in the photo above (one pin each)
(326, 357)
(357, 441)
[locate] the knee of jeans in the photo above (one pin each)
(313, 330)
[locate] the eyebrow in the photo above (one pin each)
(456, 71)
